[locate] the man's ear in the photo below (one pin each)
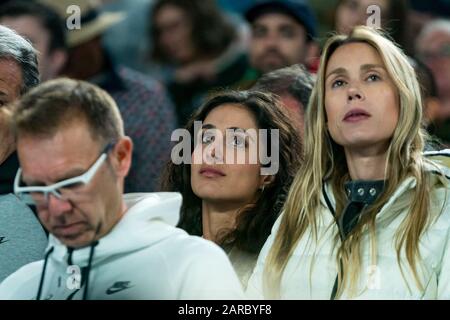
(266, 180)
(123, 151)
(58, 61)
(312, 54)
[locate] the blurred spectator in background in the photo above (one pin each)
(43, 27)
(235, 6)
(22, 238)
(127, 41)
(196, 48)
(149, 116)
(431, 102)
(433, 47)
(394, 15)
(422, 12)
(282, 34)
(293, 85)
(18, 73)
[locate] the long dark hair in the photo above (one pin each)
(254, 221)
(211, 34)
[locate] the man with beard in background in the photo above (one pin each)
(282, 35)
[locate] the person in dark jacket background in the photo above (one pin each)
(22, 238)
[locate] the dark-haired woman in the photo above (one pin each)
(243, 161)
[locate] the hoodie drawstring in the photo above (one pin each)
(88, 271)
(84, 272)
(41, 281)
(84, 280)
(69, 255)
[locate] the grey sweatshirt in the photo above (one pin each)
(22, 238)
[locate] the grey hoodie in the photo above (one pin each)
(22, 238)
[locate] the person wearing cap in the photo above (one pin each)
(148, 113)
(282, 34)
(22, 238)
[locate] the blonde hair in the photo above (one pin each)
(325, 161)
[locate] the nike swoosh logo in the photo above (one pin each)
(115, 290)
(2, 240)
(117, 287)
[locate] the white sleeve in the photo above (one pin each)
(255, 284)
(444, 276)
(210, 275)
(22, 284)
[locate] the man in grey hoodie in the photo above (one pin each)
(22, 238)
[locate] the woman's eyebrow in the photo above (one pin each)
(337, 71)
(369, 66)
(208, 126)
(236, 128)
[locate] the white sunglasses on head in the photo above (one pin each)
(38, 195)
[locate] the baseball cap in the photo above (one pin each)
(297, 9)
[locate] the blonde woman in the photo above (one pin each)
(367, 217)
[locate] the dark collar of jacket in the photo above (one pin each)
(8, 170)
(110, 79)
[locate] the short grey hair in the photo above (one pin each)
(294, 80)
(17, 48)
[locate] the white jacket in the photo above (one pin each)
(143, 257)
(312, 268)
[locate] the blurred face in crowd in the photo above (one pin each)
(351, 13)
(10, 81)
(278, 41)
(232, 183)
(10, 87)
(31, 28)
(295, 110)
(85, 60)
(175, 34)
(361, 100)
(84, 212)
(434, 49)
